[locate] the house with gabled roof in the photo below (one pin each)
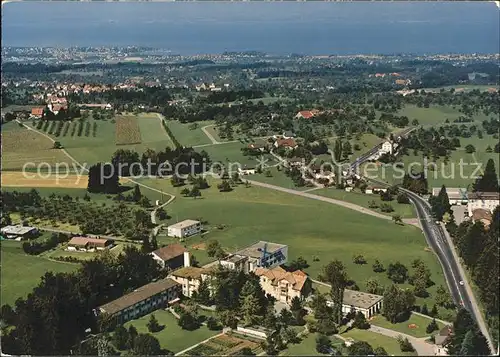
(284, 285)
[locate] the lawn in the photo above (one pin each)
(187, 136)
(172, 337)
(435, 115)
(22, 272)
(277, 178)
(21, 146)
(307, 346)
(310, 228)
(361, 199)
(391, 345)
(414, 326)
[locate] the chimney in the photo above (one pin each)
(187, 259)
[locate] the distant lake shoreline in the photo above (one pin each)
(311, 27)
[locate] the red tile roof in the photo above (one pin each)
(37, 111)
(297, 278)
(290, 143)
(170, 251)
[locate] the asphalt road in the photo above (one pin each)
(440, 242)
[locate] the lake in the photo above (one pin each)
(318, 28)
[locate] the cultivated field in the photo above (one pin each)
(33, 180)
(21, 146)
(99, 145)
(246, 215)
(127, 131)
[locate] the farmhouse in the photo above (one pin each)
(485, 200)
(286, 143)
(284, 285)
(189, 278)
(442, 339)
(19, 232)
(86, 244)
(386, 148)
(456, 196)
(368, 304)
(172, 257)
(260, 254)
(37, 112)
(141, 301)
(307, 114)
(185, 228)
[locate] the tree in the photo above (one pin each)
(403, 198)
(397, 272)
(378, 267)
(443, 297)
(421, 279)
(103, 178)
(432, 326)
(298, 264)
(153, 325)
(132, 335)
(397, 303)
(405, 345)
(337, 150)
(224, 186)
(195, 192)
(323, 344)
(245, 351)
(334, 273)
(360, 348)
(488, 182)
(137, 195)
(359, 259)
(440, 204)
(202, 295)
(373, 286)
(185, 191)
(298, 311)
(380, 351)
(146, 345)
(469, 149)
(286, 318)
(360, 321)
(424, 309)
(212, 324)
(396, 218)
(467, 348)
(120, 337)
(214, 249)
(188, 321)
(250, 310)
(462, 325)
(57, 145)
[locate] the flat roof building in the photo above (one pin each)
(19, 232)
(368, 304)
(142, 301)
(456, 195)
(184, 228)
(261, 254)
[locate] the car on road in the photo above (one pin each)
(461, 282)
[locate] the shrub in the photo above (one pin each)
(359, 259)
(405, 345)
(432, 326)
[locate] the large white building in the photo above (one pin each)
(456, 196)
(484, 200)
(259, 255)
(185, 228)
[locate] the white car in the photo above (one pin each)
(461, 282)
